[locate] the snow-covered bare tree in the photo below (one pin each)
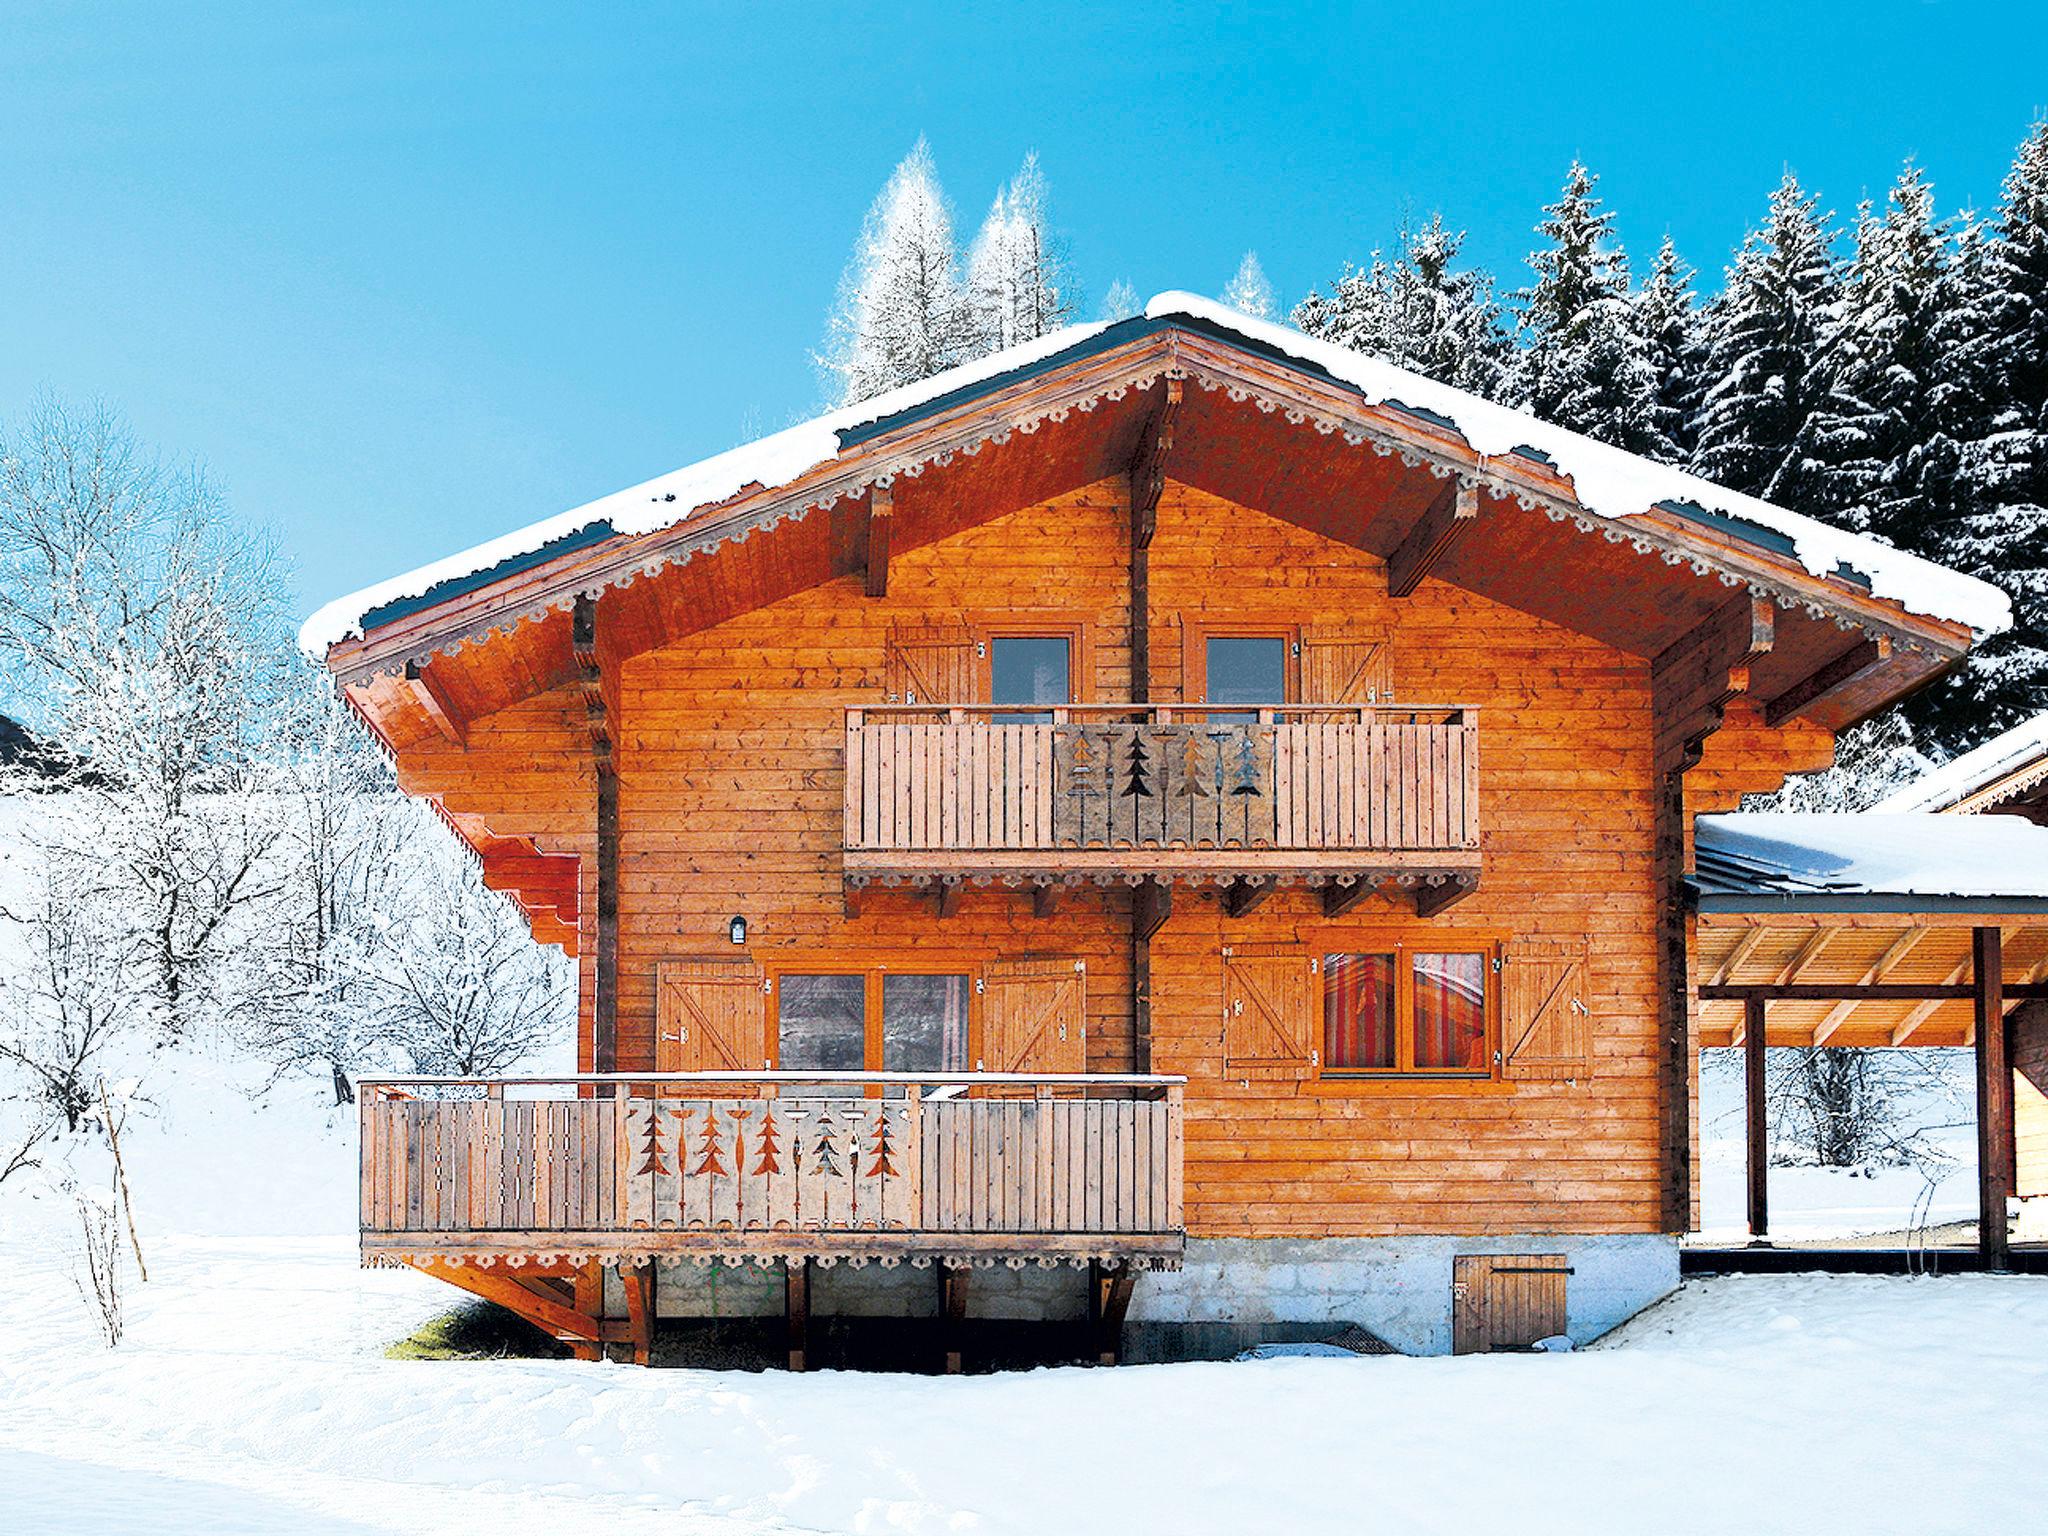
(1019, 285)
(1248, 292)
(1418, 311)
(1583, 363)
(902, 312)
(1770, 359)
(1121, 302)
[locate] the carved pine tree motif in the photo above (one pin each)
(1194, 770)
(770, 1161)
(884, 1149)
(826, 1150)
(708, 1151)
(1137, 768)
(653, 1160)
(1244, 777)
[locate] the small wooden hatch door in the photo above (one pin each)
(1506, 1300)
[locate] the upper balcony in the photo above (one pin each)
(1349, 798)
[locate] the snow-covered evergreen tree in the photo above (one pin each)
(1418, 311)
(1121, 302)
(1996, 330)
(1248, 292)
(1769, 359)
(1583, 364)
(902, 312)
(1668, 322)
(1018, 283)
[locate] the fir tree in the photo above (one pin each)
(1418, 312)
(902, 313)
(1667, 322)
(1018, 284)
(1584, 365)
(1769, 363)
(1248, 292)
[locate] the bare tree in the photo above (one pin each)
(98, 1266)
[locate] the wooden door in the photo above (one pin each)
(1344, 668)
(710, 1016)
(930, 664)
(1504, 1301)
(1034, 1016)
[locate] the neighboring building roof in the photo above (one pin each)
(2002, 769)
(1606, 481)
(1868, 861)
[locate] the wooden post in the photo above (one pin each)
(1109, 1301)
(604, 993)
(952, 1311)
(638, 1280)
(1994, 1100)
(796, 1302)
(1754, 1041)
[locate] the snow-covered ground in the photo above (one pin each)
(251, 1395)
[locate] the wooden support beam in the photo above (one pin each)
(1148, 464)
(1994, 1099)
(881, 512)
(1339, 899)
(952, 1311)
(1455, 509)
(1045, 899)
(1242, 896)
(1151, 906)
(796, 1311)
(498, 1286)
(1903, 1031)
(1865, 992)
(1432, 899)
(1838, 1015)
(1754, 1041)
(434, 704)
(638, 1280)
(1109, 1302)
(1744, 948)
(1841, 672)
(852, 898)
(604, 993)
(949, 896)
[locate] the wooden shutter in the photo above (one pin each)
(1034, 1015)
(928, 664)
(710, 1016)
(1545, 1014)
(1345, 668)
(1270, 1006)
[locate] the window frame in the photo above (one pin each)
(871, 970)
(1194, 666)
(1030, 625)
(1489, 948)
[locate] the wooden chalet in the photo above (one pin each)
(1175, 803)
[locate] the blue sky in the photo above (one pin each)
(403, 281)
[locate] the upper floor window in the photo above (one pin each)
(1398, 1010)
(1244, 669)
(1030, 669)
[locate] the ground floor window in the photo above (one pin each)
(871, 1019)
(1397, 1010)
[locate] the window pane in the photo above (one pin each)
(1358, 1011)
(1029, 669)
(924, 1023)
(1450, 1012)
(821, 1026)
(1246, 670)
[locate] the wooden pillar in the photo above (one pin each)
(1754, 1041)
(796, 1302)
(952, 1311)
(1109, 1301)
(604, 995)
(638, 1280)
(1994, 1099)
(1144, 504)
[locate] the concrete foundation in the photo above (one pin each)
(1233, 1293)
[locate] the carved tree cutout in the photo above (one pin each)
(652, 1159)
(770, 1161)
(884, 1149)
(708, 1158)
(826, 1151)
(1137, 766)
(1245, 775)
(1193, 771)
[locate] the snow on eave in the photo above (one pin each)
(1612, 483)
(1958, 779)
(1823, 854)
(1606, 481)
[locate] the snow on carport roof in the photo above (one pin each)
(1869, 861)
(1961, 777)
(1606, 481)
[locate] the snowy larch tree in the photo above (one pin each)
(1769, 359)
(1248, 292)
(1019, 286)
(902, 312)
(1418, 311)
(1583, 364)
(1121, 302)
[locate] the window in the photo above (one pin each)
(1030, 669)
(1397, 1010)
(1238, 667)
(872, 1019)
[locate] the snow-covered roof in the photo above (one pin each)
(1606, 481)
(1867, 860)
(1958, 779)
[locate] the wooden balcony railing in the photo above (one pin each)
(773, 1165)
(1135, 788)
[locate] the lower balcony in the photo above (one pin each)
(771, 1166)
(1340, 796)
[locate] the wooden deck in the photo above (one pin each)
(769, 1166)
(1171, 791)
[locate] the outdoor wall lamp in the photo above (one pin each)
(736, 930)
